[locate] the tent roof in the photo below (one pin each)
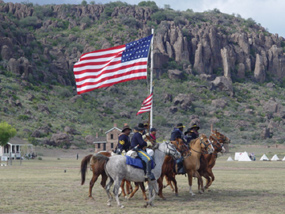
(244, 157)
(275, 157)
(264, 157)
(230, 159)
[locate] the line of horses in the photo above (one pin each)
(199, 160)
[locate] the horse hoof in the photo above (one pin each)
(192, 194)
(108, 204)
(176, 194)
(201, 192)
(122, 206)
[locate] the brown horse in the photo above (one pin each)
(208, 161)
(168, 172)
(192, 162)
(97, 168)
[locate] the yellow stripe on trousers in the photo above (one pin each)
(144, 155)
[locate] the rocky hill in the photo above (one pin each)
(210, 68)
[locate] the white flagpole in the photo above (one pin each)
(151, 76)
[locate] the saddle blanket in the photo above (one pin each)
(136, 162)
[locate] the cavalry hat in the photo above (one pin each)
(195, 126)
(140, 127)
(188, 130)
(126, 126)
(180, 125)
(153, 130)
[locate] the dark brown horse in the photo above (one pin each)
(97, 168)
(208, 161)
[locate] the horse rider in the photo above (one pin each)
(177, 133)
(150, 137)
(124, 140)
(138, 144)
(192, 133)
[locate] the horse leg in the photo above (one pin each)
(116, 191)
(190, 175)
(91, 184)
(143, 190)
(123, 188)
(208, 179)
(211, 175)
(160, 187)
(129, 187)
(200, 182)
(151, 187)
(107, 188)
(104, 178)
(134, 191)
(175, 184)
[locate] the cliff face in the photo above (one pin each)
(43, 42)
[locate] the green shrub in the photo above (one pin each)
(40, 158)
(23, 117)
(150, 4)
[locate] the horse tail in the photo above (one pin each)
(85, 161)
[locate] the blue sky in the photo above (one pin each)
(269, 13)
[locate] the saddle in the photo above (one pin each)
(137, 162)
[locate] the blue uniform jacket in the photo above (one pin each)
(191, 136)
(124, 143)
(176, 133)
(138, 140)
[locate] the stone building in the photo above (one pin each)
(110, 142)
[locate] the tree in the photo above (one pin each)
(6, 132)
(84, 3)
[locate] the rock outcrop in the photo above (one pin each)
(210, 45)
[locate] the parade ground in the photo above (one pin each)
(52, 185)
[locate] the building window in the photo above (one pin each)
(99, 145)
(112, 136)
(104, 145)
(112, 145)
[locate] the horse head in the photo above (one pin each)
(169, 149)
(206, 145)
(221, 138)
(180, 145)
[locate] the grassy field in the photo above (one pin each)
(42, 186)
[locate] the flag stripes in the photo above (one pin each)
(146, 105)
(104, 68)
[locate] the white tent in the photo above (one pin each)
(275, 158)
(244, 157)
(264, 158)
(237, 155)
(283, 159)
(230, 159)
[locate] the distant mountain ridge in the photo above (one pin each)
(209, 68)
(54, 36)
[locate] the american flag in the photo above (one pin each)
(146, 105)
(104, 68)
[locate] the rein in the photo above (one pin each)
(206, 146)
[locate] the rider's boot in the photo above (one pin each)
(149, 174)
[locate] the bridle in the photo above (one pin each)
(204, 150)
(171, 149)
(214, 136)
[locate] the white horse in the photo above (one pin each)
(117, 170)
